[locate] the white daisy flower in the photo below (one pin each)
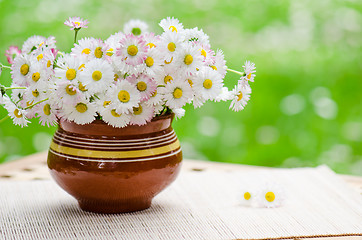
(68, 68)
(208, 83)
(110, 116)
(170, 45)
(156, 97)
(166, 75)
(151, 39)
(68, 93)
(38, 76)
(158, 108)
(198, 101)
(189, 59)
(76, 23)
(132, 49)
(33, 95)
(249, 70)
(179, 112)
(171, 24)
(112, 43)
(135, 27)
(219, 64)
(153, 62)
(177, 93)
(82, 112)
(32, 44)
(241, 96)
(20, 70)
(47, 114)
(225, 95)
(141, 114)
(83, 47)
(97, 75)
(124, 96)
(271, 195)
(196, 35)
(144, 84)
(206, 53)
(16, 114)
(248, 196)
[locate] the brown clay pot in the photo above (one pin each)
(115, 170)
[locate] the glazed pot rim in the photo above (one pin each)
(99, 127)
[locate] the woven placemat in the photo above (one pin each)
(199, 205)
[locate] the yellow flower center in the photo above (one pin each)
(106, 103)
(116, 77)
(149, 61)
(35, 76)
(69, 90)
(81, 66)
(173, 28)
(270, 196)
(167, 79)
(249, 76)
(46, 109)
(151, 45)
(17, 113)
(86, 51)
(124, 96)
(41, 44)
(24, 69)
(154, 94)
(190, 82)
(78, 23)
(177, 93)
(169, 61)
(171, 47)
(114, 113)
(207, 84)
(35, 93)
(188, 59)
(40, 56)
(98, 52)
(240, 96)
(247, 196)
(82, 87)
(49, 63)
(214, 68)
(81, 107)
(137, 110)
(109, 52)
(28, 104)
(70, 74)
(97, 75)
(132, 50)
(141, 86)
(203, 52)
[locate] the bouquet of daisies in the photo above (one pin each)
(129, 78)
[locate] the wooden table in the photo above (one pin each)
(34, 167)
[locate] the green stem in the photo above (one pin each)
(32, 105)
(3, 66)
(11, 88)
(3, 120)
(75, 35)
(237, 72)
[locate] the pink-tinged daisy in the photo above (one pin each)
(177, 93)
(172, 25)
(135, 27)
(219, 64)
(81, 112)
(144, 84)
(141, 114)
(83, 47)
(153, 62)
(16, 114)
(249, 70)
(241, 96)
(110, 116)
(11, 53)
(206, 53)
(208, 83)
(32, 43)
(76, 23)
(47, 114)
(196, 35)
(170, 45)
(20, 70)
(179, 112)
(124, 96)
(68, 68)
(189, 59)
(132, 49)
(270, 196)
(97, 76)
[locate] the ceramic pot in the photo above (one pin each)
(115, 170)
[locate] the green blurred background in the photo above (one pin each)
(306, 105)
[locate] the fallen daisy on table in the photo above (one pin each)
(269, 195)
